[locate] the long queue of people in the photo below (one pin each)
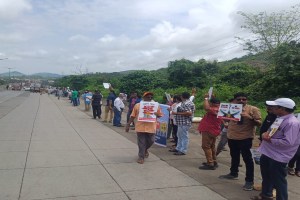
(280, 152)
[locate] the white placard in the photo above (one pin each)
(274, 127)
(210, 92)
(230, 111)
(168, 97)
(147, 110)
(106, 85)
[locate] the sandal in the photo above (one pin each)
(259, 197)
(140, 161)
(297, 173)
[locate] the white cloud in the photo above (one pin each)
(10, 9)
(106, 36)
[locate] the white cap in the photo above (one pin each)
(283, 102)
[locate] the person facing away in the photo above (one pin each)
(118, 109)
(240, 136)
(278, 149)
(184, 116)
(74, 97)
(109, 106)
(96, 104)
(210, 128)
(145, 130)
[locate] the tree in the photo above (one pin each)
(271, 30)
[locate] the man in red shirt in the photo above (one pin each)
(210, 128)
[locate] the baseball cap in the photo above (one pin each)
(147, 93)
(283, 102)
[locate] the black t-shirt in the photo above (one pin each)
(270, 118)
(96, 99)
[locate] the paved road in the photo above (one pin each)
(51, 150)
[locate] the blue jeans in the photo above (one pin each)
(117, 117)
(183, 138)
(273, 175)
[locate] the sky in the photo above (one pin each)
(84, 36)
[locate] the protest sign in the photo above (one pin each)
(106, 85)
(162, 127)
(230, 111)
(147, 110)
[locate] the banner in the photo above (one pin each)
(162, 126)
(230, 111)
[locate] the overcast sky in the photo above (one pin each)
(68, 36)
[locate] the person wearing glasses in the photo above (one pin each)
(145, 130)
(240, 135)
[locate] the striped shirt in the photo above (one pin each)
(186, 106)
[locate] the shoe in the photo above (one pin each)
(120, 125)
(291, 171)
(179, 153)
(229, 177)
(140, 161)
(173, 150)
(207, 167)
(248, 186)
(215, 164)
(146, 154)
(297, 173)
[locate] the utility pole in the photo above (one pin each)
(9, 68)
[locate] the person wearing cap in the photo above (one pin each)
(145, 130)
(210, 128)
(240, 136)
(278, 149)
(118, 109)
(184, 116)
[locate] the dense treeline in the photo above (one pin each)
(261, 78)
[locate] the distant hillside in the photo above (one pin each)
(41, 75)
(12, 74)
(47, 75)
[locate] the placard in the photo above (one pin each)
(147, 110)
(230, 111)
(106, 85)
(162, 126)
(274, 127)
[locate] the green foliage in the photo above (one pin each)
(271, 30)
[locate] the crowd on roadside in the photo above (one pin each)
(279, 152)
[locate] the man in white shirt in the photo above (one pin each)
(118, 108)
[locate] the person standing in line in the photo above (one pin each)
(118, 109)
(87, 97)
(223, 135)
(278, 149)
(173, 108)
(291, 165)
(240, 137)
(74, 97)
(184, 116)
(96, 104)
(109, 113)
(134, 99)
(145, 130)
(210, 128)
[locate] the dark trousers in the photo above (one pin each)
(117, 117)
(243, 147)
(96, 111)
(295, 159)
(145, 141)
(74, 101)
(273, 175)
(174, 133)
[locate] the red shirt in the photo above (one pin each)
(210, 123)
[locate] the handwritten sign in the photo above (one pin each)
(147, 110)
